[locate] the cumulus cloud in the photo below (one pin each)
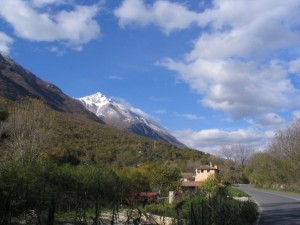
(210, 140)
(5, 42)
(238, 88)
(74, 27)
(164, 14)
(238, 63)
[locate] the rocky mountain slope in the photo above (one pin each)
(130, 119)
(16, 83)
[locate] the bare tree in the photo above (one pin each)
(242, 154)
(29, 128)
(236, 156)
(227, 152)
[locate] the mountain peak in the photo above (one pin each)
(97, 99)
(120, 116)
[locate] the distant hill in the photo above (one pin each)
(120, 116)
(16, 82)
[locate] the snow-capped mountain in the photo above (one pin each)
(127, 118)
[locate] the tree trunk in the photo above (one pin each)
(51, 212)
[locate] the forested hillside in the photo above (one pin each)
(74, 139)
(55, 162)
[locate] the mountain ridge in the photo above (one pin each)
(16, 82)
(127, 118)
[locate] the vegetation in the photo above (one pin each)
(279, 166)
(73, 139)
(233, 167)
(233, 192)
(53, 163)
(212, 206)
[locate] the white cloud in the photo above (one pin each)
(41, 3)
(114, 77)
(189, 116)
(238, 88)
(210, 140)
(73, 27)
(123, 102)
(5, 42)
(161, 111)
(296, 114)
(236, 64)
(294, 66)
(58, 51)
(164, 14)
(271, 120)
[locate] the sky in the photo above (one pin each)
(215, 73)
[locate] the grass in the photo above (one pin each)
(233, 192)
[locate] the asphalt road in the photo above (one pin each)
(277, 208)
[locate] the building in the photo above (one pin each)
(191, 182)
(203, 172)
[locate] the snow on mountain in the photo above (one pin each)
(127, 118)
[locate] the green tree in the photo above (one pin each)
(211, 186)
(165, 179)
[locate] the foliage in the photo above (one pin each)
(279, 166)
(217, 209)
(74, 139)
(165, 179)
(232, 161)
(211, 186)
(54, 162)
(48, 187)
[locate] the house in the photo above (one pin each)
(203, 172)
(191, 182)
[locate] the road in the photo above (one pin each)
(277, 208)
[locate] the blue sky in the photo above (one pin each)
(214, 73)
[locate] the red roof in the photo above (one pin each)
(192, 183)
(207, 167)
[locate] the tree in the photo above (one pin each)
(165, 179)
(3, 118)
(279, 165)
(236, 157)
(210, 186)
(29, 128)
